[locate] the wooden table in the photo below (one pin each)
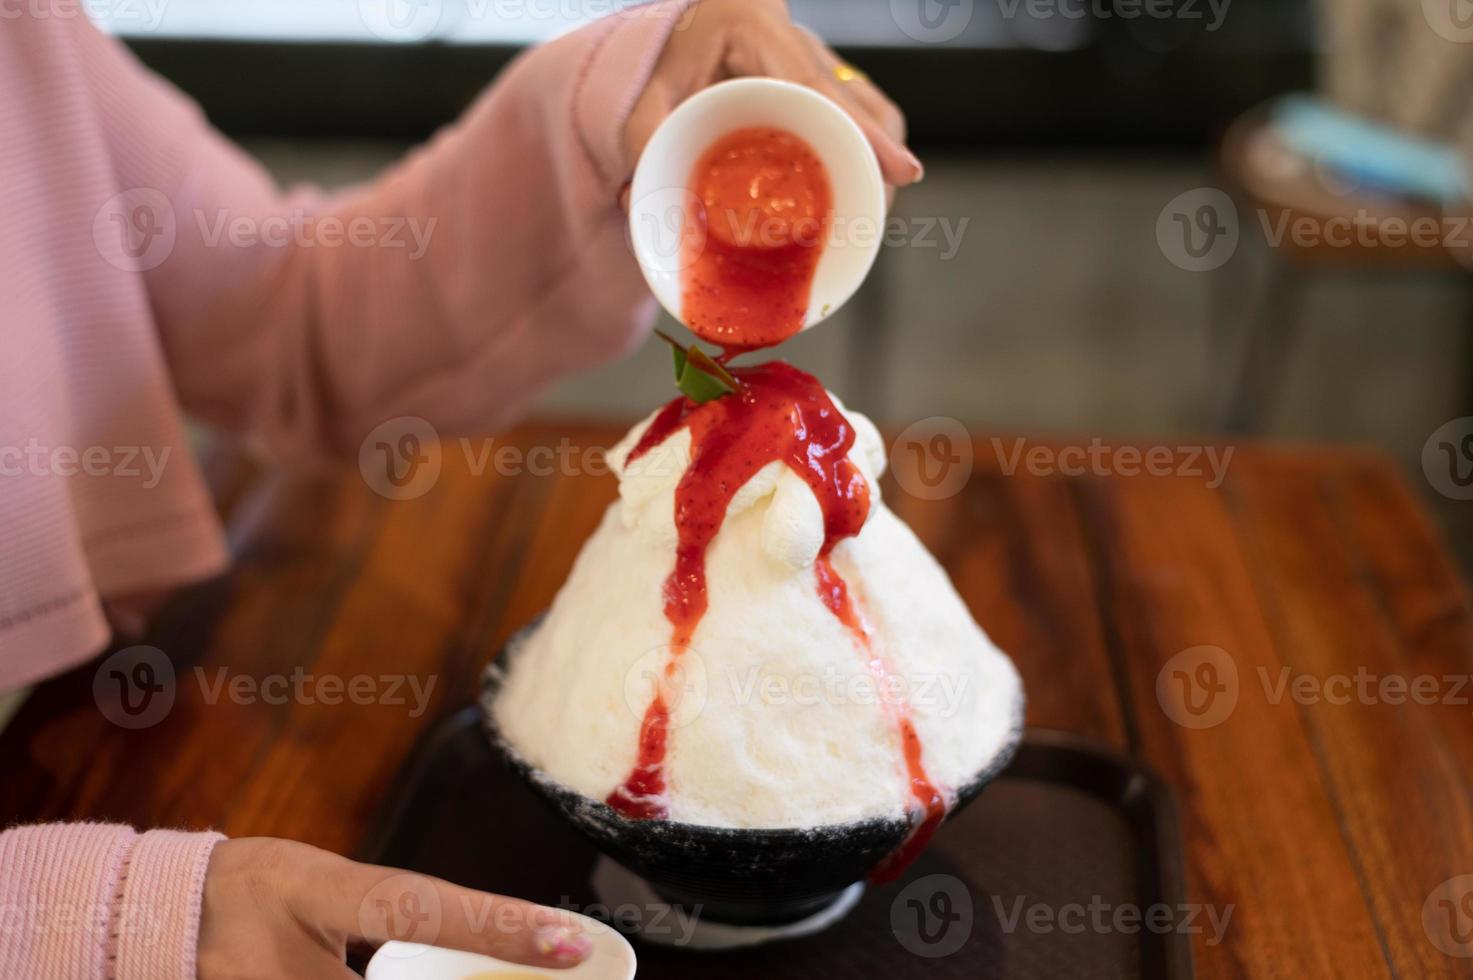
(1326, 826)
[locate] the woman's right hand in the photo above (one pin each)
(721, 39)
(279, 909)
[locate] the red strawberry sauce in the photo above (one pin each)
(753, 247)
(779, 413)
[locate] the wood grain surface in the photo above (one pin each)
(1326, 816)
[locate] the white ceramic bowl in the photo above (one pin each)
(612, 959)
(659, 198)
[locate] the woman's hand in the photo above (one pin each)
(721, 39)
(279, 909)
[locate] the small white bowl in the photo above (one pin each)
(659, 198)
(612, 959)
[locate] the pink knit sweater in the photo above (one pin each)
(148, 268)
(91, 900)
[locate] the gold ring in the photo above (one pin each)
(847, 73)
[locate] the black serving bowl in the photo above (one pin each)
(737, 876)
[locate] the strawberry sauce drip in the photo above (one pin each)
(933, 808)
(751, 249)
(932, 805)
(780, 413)
(641, 796)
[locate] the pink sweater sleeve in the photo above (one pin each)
(487, 264)
(100, 902)
(454, 288)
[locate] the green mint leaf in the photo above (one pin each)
(701, 387)
(698, 376)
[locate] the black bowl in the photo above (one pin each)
(736, 876)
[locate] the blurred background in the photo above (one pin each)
(1156, 220)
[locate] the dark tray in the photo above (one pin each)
(1069, 828)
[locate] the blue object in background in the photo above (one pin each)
(1370, 154)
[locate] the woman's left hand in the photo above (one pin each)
(721, 39)
(277, 908)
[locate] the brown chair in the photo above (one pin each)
(1323, 225)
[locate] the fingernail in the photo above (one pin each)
(563, 943)
(915, 161)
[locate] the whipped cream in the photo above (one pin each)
(779, 718)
